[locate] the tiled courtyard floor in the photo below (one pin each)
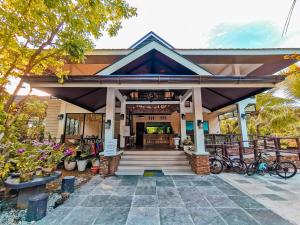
(167, 200)
(281, 196)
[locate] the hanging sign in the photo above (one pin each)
(110, 147)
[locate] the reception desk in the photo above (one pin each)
(158, 139)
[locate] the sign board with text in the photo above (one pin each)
(110, 147)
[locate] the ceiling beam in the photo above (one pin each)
(186, 95)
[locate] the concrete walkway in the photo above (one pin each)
(281, 196)
(167, 200)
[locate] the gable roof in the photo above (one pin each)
(151, 36)
(147, 48)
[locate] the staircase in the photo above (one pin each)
(170, 162)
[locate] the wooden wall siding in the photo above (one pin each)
(51, 121)
(173, 119)
(84, 69)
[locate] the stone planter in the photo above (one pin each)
(69, 165)
(187, 147)
(81, 165)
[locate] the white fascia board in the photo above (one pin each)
(250, 52)
(162, 49)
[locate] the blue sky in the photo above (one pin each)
(211, 24)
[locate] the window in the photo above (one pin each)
(85, 124)
(190, 127)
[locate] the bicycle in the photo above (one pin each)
(218, 162)
(261, 166)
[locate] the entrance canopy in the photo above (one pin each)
(89, 92)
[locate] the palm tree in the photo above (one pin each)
(275, 116)
(291, 85)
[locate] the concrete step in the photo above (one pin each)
(154, 157)
(154, 162)
(128, 152)
(153, 167)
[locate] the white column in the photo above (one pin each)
(214, 125)
(182, 122)
(122, 124)
(242, 123)
(198, 115)
(110, 113)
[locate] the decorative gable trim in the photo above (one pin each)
(147, 48)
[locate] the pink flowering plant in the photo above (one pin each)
(70, 154)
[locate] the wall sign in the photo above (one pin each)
(110, 147)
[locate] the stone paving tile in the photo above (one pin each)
(81, 216)
(273, 197)
(55, 217)
(183, 177)
(277, 182)
(221, 202)
(112, 216)
(236, 217)
(275, 188)
(104, 189)
(246, 202)
(267, 217)
(183, 183)
(205, 216)
(167, 182)
(193, 198)
(146, 181)
(124, 190)
(74, 200)
(184, 200)
(175, 216)
(95, 201)
(243, 181)
(146, 190)
(231, 191)
(201, 183)
(128, 182)
(145, 201)
(119, 201)
(204, 190)
(143, 216)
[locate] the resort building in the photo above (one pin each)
(146, 95)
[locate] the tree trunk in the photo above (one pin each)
(13, 96)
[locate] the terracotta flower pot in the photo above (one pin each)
(95, 169)
(47, 171)
(69, 165)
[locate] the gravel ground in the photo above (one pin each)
(10, 215)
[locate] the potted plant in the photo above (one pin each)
(70, 159)
(187, 144)
(50, 154)
(26, 162)
(176, 141)
(85, 151)
(95, 161)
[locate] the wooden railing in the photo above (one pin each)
(280, 146)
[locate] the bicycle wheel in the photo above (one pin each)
(251, 168)
(286, 169)
(216, 166)
(239, 166)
